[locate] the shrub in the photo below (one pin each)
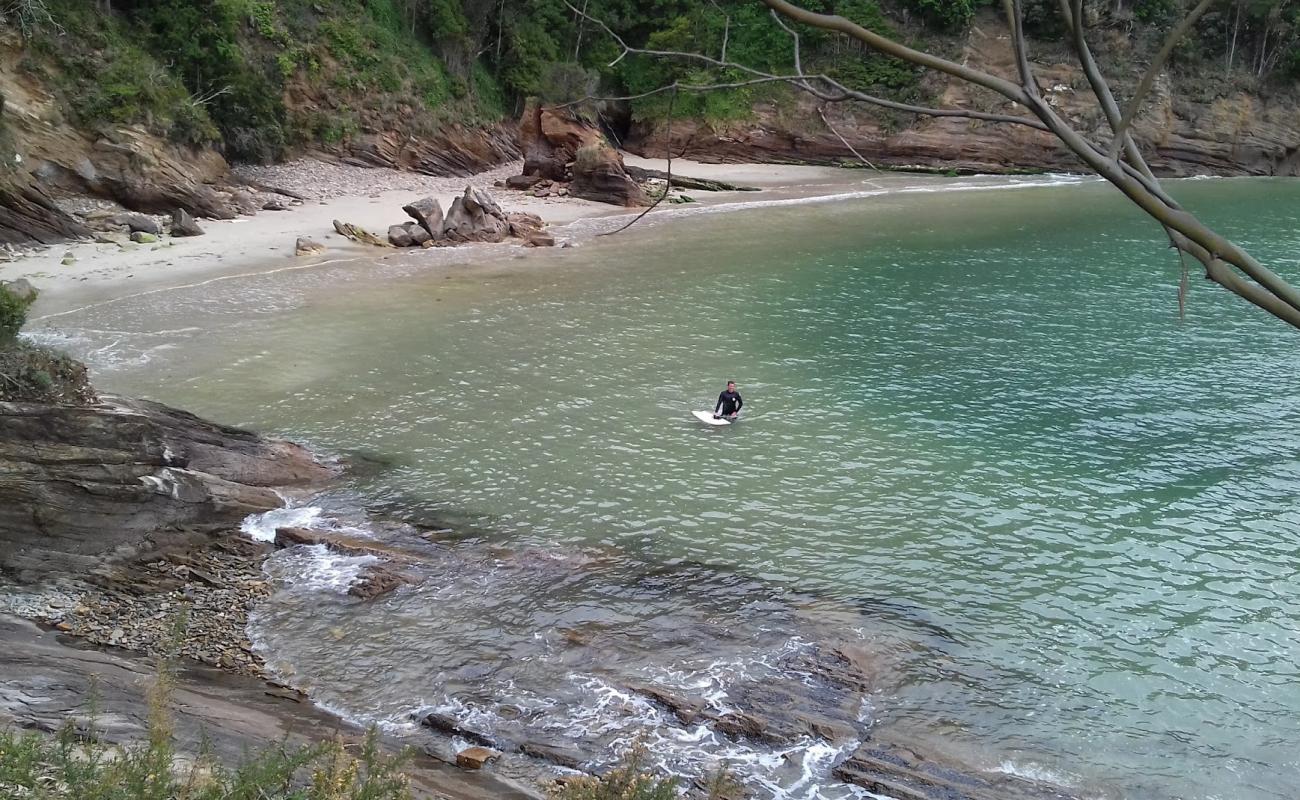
(948, 15)
(14, 302)
(628, 781)
(33, 374)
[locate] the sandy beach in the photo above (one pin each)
(78, 274)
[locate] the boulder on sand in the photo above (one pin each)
(398, 237)
(358, 234)
(598, 175)
(475, 217)
(523, 182)
(408, 234)
(428, 212)
(530, 228)
(135, 223)
(307, 247)
(184, 225)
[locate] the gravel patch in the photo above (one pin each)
(320, 180)
(201, 598)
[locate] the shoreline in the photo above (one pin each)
(78, 275)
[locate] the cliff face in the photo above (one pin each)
(1183, 131)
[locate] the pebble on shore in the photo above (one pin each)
(193, 605)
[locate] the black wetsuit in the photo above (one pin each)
(728, 403)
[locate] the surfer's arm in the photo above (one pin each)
(717, 409)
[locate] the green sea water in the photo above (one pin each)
(1068, 519)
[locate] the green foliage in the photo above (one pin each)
(628, 781)
(948, 15)
(13, 313)
(104, 76)
(33, 374)
(1154, 11)
(566, 82)
(74, 766)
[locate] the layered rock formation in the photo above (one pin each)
(80, 485)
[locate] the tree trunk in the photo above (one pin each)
(1232, 48)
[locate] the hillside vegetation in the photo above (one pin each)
(260, 78)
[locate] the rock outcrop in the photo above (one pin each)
(472, 217)
(560, 146)
(457, 150)
(81, 484)
(29, 215)
(598, 174)
(48, 681)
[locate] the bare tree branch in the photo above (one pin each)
(1072, 10)
(808, 83)
(879, 43)
(1149, 77)
(1015, 21)
(798, 58)
(821, 113)
(668, 182)
(1225, 263)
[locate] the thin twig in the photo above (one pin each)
(1149, 77)
(798, 60)
(668, 183)
(839, 136)
(1182, 281)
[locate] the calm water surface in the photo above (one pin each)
(978, 445)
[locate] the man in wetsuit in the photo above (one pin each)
(729, 403)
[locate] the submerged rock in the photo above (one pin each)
(446, 723)
(557, 754)
(379, 579)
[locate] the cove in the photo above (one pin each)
(1064, 520)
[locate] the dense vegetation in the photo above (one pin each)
(258, 77)
(30, 372)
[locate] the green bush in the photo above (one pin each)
(13, 312)
(1154, 11)
(33, 374)
(77, 765)
(948, 15)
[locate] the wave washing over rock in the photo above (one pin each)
(564, 661)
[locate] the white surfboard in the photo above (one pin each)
(707, 418)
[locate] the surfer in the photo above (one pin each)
(729, 403)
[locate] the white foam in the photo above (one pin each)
(261, 527)
(1033, 772)
(315, 567)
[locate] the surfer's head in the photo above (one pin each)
(731, 386)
